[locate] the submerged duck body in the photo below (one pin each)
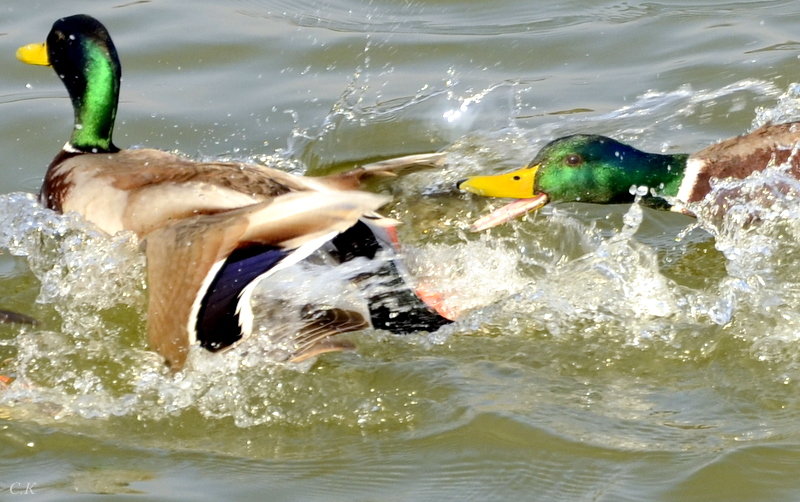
(212, 230)
(738, 158)
(598, 169)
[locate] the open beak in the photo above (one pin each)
(517, 184)
(34, 54)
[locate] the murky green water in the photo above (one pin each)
(608, 353)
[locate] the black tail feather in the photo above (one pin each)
(394, 306)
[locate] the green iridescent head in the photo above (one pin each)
(83, 55)
(584, 168)
(598, 169)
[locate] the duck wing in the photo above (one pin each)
(201, 271)
(352, 179)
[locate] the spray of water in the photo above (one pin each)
(595, 287)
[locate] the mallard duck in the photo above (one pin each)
(211, 230)
(592, 168)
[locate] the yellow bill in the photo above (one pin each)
(516, 184)
(34, 54)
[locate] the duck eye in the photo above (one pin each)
(573, 160)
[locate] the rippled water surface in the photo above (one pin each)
(605, 352)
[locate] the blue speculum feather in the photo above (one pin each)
(217, 322)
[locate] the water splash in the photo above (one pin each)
(618, 280)
(56, 248)
(787, 109)
(616, 290)
(755, 224)
(90, 359)
(758, 234)
(585, 292)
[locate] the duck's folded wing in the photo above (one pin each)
(352, 179)
(201, 270)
